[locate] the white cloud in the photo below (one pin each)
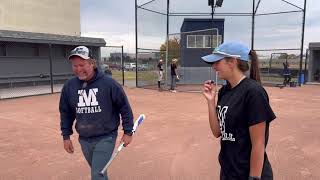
(312, 35)
(127, 40)
(114, 21)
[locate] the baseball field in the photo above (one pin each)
(174, 141)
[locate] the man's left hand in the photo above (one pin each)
(126, 139)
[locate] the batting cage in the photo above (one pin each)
(147, 66)
(275, 65)
(176, 29)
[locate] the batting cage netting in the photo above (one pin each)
(186, 31)
(33, 57)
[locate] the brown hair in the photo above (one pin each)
(174, 60)
(254, 68)
(94, 62)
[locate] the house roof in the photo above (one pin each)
(314, 45)
(202, 19)
(43, 38)
(190, 24)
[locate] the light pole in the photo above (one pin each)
(214, 4)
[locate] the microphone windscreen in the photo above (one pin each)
(84, 85)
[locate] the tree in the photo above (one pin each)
(283, 56)
(292, 56)
(174, 49)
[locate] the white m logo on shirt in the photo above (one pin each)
(222, 117)
(88, 100)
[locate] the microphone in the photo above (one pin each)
(84, 85)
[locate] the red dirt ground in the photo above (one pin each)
(174, 142)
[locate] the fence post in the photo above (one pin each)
(302, 41)
(51, 74)
(122, 65)
(136, 31)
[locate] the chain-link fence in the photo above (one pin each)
(188, 47)
(148, 60)
(275, 65)
(112, 62)
(121, 65)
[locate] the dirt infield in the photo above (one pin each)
(174, 142)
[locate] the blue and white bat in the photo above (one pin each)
(121, 146)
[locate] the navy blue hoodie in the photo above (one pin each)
(96, 105)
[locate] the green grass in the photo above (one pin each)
(151, 76)
(148, 76)
(128, 75)
(131, 75)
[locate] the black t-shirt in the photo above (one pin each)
(160, 67)
(239, 108)
(173, 69)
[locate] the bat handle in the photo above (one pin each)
(103, 171)
(120, 147)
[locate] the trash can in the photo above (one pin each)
(301, 78)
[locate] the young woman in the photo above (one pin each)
(242, 114)
(174, 75)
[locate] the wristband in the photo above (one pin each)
(129, 133)
(254, 178)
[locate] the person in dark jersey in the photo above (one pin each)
(241, 115)
(160, 73)
(286, 74)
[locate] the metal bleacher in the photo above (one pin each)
(16, 80)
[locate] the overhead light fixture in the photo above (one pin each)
(210, 2)
(219, 3)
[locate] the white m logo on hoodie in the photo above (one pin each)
(88, 100)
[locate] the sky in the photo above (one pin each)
(114, 20)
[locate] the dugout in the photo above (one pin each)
(314, 62)
(30, 59)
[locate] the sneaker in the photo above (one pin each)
(174, 91)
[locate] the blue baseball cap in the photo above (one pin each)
(229, 49)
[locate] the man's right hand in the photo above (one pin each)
(68, 146)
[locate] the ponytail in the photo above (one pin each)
(254, 69)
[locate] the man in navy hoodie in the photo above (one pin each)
(96, 102)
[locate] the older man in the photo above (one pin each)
(96, 102)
